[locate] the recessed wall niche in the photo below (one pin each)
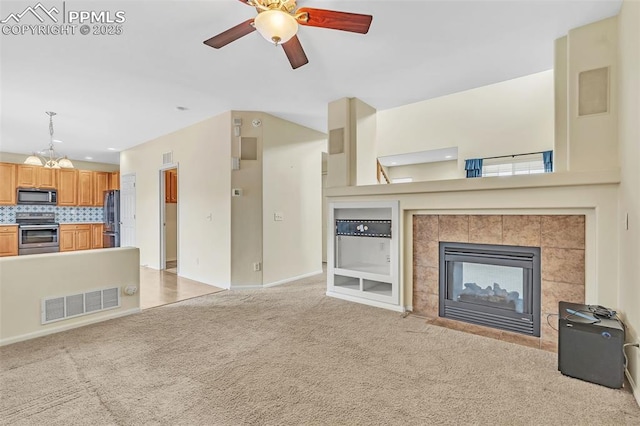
(593, 92)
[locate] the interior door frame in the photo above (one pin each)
(127, 178)
(163, 228)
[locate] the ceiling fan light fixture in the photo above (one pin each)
(276, 26)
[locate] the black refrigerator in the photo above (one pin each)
(111, 210)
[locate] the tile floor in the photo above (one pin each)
(159, 288)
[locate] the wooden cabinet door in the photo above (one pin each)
(173, 195)
(35, 177)
(96, 235)
(83, 238)
(170, 186)
(67, 239)
(7, 184)
(100, 184)
(85, 188)
(68, 187)
(114, 180)
(46, 178)
(8, 241)
(26, 176)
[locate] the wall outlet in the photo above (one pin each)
(257, 266)
(236, 192)
(388, 258)
(278, 216)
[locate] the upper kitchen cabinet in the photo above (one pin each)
(8, 183)
(100, 184)
(67, 187)
(36, 177)
(85, 188)
(114, 180)
(171, 186)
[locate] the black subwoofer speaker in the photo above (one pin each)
(590, 347)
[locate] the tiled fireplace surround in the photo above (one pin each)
(562, 244)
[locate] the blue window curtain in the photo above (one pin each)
(547, 158)
(473, 167)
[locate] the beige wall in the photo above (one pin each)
(203, 152)
(629, 134)
(246, 210)
(340, 165)
(561, 91)
(364, 133)
(292, 177)
(26, 280)
(592, 139)
(510, 117)
(221, 237)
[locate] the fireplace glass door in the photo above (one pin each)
(496, 286)
(492, 285)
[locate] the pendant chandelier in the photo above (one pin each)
(49, 158)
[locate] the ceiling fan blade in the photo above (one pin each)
(335, 20)
(232, 34)
(295, 52)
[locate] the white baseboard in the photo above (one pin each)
(288, 280)
(275, 283)
(245, 287)
(58, 329)
(374, 303)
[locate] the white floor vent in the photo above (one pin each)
(60, 308)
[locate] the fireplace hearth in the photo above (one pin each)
(492, 285)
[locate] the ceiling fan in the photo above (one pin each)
(277, 21)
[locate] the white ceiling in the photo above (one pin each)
(122, 90)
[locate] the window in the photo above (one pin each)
(516, 165)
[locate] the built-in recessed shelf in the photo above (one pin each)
(384, 289)
(346, 282)
(363, 253)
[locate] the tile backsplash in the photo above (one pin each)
(63, 214)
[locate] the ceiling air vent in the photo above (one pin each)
(74, 305)
(167, 157)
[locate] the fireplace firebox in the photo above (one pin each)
(492, 285)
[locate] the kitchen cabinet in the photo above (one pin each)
(114, 180)
(100, 184)
(7, 184)
(36, 177)
(171, 186)
(363, 255)
(67, 187)
(75, 237)
(96, 235)
(85, 188)
(8, 240)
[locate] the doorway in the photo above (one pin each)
(169, 219)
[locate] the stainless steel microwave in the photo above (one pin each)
(37, 196)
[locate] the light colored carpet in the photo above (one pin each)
(290, 355)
